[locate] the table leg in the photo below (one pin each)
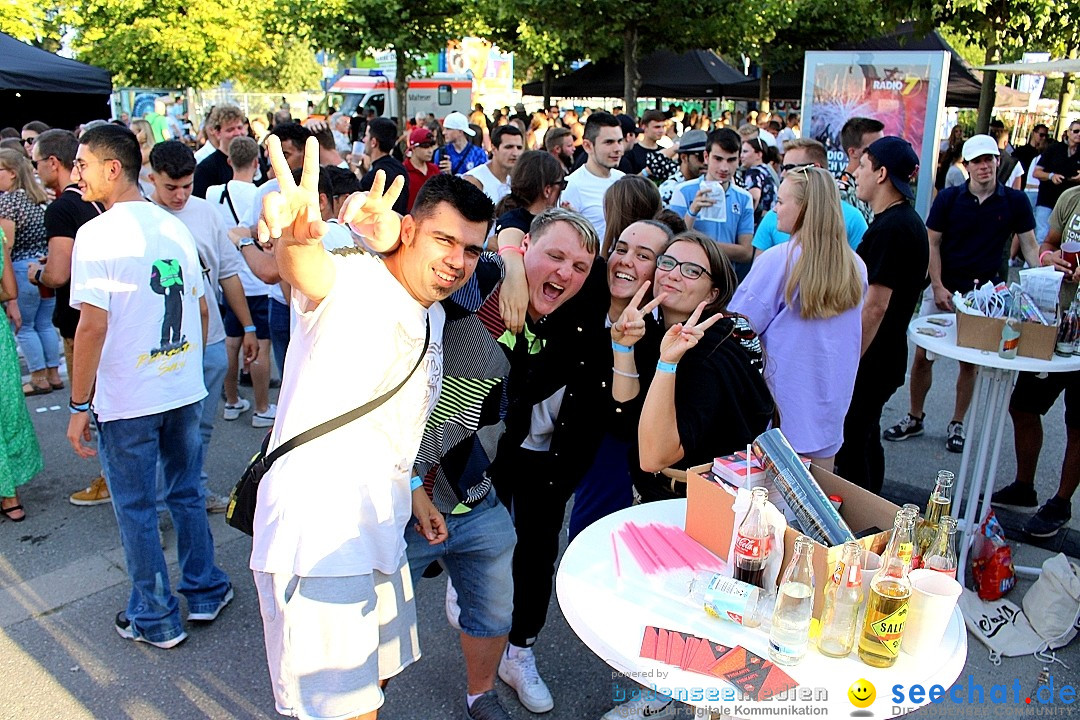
(969, 422)
(998, 385)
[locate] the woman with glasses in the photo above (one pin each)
(756, 178)
(707, 397)
(804, 299)
(22, 218)
(536, 182)
(30, 131)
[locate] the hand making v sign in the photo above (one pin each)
(630, 327)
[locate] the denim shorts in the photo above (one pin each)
(330, 640)
(477, 555)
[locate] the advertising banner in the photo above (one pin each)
(904, 90)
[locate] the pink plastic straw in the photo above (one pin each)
(615, 552)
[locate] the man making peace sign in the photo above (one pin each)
(329, 551)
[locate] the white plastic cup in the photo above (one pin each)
(933, 597)
(871, 563)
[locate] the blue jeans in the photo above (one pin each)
(215, 365)
(129, 454)
(279, 332)
(1042, 223)
(38, 338)
(477, 555)
(606, 488)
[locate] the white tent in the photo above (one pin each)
(1049, 67)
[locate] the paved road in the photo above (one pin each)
(62, 581)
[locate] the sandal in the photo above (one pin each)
(57, 385)
(7, 511)
(29, 389)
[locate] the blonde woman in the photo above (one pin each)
(145, 135)
(22, 218)
(804, 298)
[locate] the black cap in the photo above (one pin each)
(629, 127)
(342, 181)
(896, 155)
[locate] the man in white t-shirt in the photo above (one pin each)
(328, 553)
(137, 279)
(493, 177)
(172, 174)
(234, 202)
(585, 187)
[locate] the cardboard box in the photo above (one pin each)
(983, 333)
(711, 521)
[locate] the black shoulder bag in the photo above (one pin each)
(241, 511)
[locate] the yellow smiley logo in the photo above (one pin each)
(862, 693)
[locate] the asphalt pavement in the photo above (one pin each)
(62, 580)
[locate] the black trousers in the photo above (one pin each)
(861, 459)
(535, 486)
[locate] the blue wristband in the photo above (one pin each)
(621, 348)
(77, 408)
(666, 367)
(692, 214)
(249, 328)
(416, 482)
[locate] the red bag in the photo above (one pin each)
(992, 567)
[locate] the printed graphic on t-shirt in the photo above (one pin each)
(167, 280)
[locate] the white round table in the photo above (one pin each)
(985, 419)
(610, 614)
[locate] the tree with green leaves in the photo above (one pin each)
(409, 28)
(40, 24)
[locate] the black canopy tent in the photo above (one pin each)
(693, 74)
(37, 85)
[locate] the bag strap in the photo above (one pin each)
(225, 197)
(335, 423)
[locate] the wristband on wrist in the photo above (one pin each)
(666, 367)
(621, 348)
(249, 328)
(1043, 254)
(511, 248)
(691, 214)
(416, 482)
(77, 408)
(620, 373)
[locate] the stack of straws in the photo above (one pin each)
(817, 516)
(660, 548)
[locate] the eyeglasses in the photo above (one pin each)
(81, 165)
(1074, 131)
(563, 183)
(34, 163)
(795, 166)
(28, 141)
(689, 270)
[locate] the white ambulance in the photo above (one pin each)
(440, 94)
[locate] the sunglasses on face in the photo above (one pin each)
(689, 270)
(795, 166)
(27, 141)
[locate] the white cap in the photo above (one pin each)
(457, 121)
(979, 145)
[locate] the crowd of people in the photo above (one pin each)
(545, 307)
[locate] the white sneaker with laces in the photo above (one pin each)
(655, 709)
(517, 668)
(234, 411)
(264, 419)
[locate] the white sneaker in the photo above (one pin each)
(453, 610)
(264, 419)
(234, 411)
(517, 668)
(653, 709)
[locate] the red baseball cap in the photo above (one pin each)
(419, 136)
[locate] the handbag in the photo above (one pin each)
(240, 513)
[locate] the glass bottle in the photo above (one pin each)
(887, 606)
(941, 555)
(1068, 331)
(843, 600)
(938, 506)
(1010, 332)
(752, 543)
(789, 635)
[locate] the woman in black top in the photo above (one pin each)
(707, 397)
(536, 182)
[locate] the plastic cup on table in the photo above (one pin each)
(870, 565)
(1070, 251)
(933, 597)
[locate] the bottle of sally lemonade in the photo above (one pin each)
(887, 608)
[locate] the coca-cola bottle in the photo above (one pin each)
(752, 543)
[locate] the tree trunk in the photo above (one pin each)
(549, 78)
(1065, 97)
(401, 86)
(631, 76)
(764, 90)
(988, 93)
